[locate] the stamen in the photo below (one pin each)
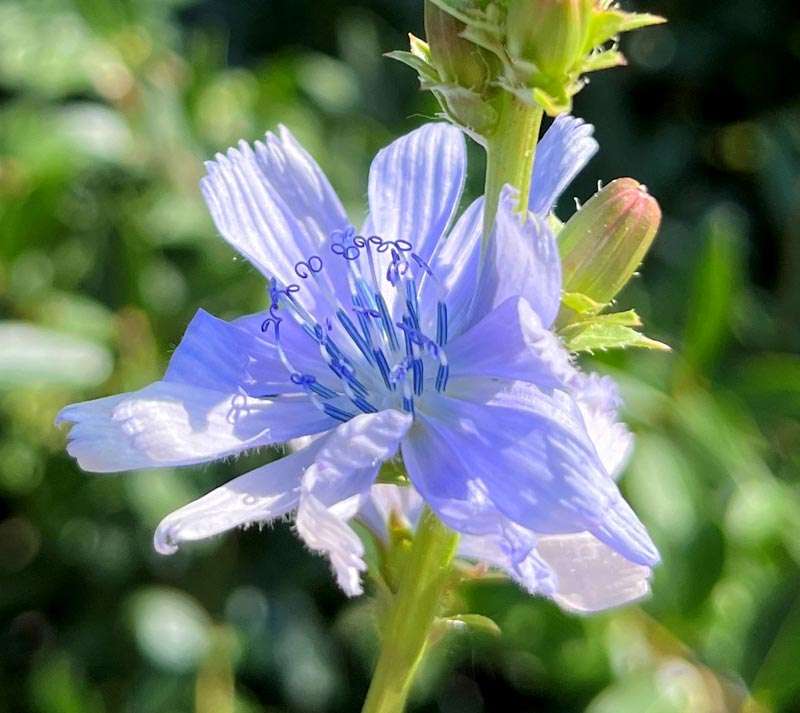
(441, 323)
(442, 376)
(383, 367)
(386, 321)
(310, 383)
(352, 332)
(418, 371)
(373, 341)
(421, 263)
(411, 302)
(337, 413)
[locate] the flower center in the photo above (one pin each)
(374, 352)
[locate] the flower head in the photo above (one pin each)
(398, 337)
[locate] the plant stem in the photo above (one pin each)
(405, 636)
(510, 152)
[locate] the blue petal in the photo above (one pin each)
(564, 150)
(511, 343)
(320, 481)
(260, 496)
(439, 473)
(528, 453)
(454, 270)
(343, 470)
(415, 185)
(276, 207)
(173, 423)
(514, 552)
(522, 260)
(227, 356)
(577, 571)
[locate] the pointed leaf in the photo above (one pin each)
(600, 334)
(603, 60)
(581, 304)
(609, 23)
(426, 72)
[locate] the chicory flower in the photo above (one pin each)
(402, 337)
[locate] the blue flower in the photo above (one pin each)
(404, 337)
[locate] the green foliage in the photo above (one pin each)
(109, 108)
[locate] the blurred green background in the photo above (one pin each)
(106, 112)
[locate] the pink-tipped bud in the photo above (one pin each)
(604, 243)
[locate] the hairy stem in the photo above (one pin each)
(405, 636)
(510, 152)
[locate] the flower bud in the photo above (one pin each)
(604, 243)
(457, 60)
(464, 71)
(552, 34)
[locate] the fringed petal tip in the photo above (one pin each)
(566, 147)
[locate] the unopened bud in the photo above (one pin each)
(457, 60)
(604, 243)
(552, 34)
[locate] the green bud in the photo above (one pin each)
(604, 243)
(457, 60)
(551, 34)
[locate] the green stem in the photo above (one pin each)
(510, 152)
(405, 636)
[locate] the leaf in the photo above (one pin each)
(32, 355)
(628, 318)
(419, 48)
(581, 304)
(603, 60)
(426, 72)
(611, 331)
(609, 23)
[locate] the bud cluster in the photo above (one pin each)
(539, 50)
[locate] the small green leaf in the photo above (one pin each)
(603, 60)
(608, 332)
(419, 48)
(608, 24)
(581, 304)
(628, 318)
(426, 72)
